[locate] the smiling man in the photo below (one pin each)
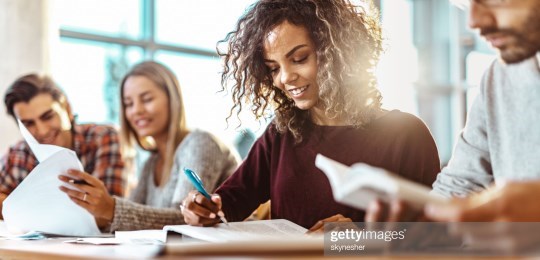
(44, 110)
(501, 139)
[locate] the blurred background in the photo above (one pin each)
(431, 66)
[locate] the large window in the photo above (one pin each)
(101, 40)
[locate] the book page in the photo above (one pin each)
(360, 184)
(242, 231)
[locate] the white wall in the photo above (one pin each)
(24, 48)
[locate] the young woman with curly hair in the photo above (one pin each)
(310, 64)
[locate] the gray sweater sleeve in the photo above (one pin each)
(469, 169)
(129, 215)
(199, 151)
(208, 157)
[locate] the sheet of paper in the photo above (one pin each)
(242, 231)
(5, 234)
(41, 151)
(114, 241)
(38, 204)
(150, 234)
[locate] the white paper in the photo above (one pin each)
(38, 204)
(41, 151)
(114, 241)
(243, 231)
(150, 234)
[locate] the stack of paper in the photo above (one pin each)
(38, 204)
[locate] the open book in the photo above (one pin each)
(358, 185)
(276, 235)
(242, 231)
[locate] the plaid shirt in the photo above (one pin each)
(97, 147)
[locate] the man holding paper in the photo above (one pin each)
(43, 109)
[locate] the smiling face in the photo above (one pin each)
(290, 56)
(511, 26)
(146, 107)
(48, 120)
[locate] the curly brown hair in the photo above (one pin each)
(348, 44)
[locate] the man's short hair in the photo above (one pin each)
(27, 87)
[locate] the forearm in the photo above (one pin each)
(469, 171)
(457, 185)
(133, 216)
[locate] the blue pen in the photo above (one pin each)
(197, 182)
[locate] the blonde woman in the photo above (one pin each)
(153, 118)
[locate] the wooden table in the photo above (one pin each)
(55, 248)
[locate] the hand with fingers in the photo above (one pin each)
(90, 193)
(318, 228)
(513, 208)
(510, 201)
(395, 211)
(200, 211)
(388, 216)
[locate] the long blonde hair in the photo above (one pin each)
(165, 79)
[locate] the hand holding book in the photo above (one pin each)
(362, 185)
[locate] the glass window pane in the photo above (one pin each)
(118, 18)
(199, 24)
(398, 67)
(199, 77)
(90, 74)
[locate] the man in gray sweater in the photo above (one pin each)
(494, 173)
(501, 141)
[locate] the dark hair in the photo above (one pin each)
(27, 87)
(348, 43)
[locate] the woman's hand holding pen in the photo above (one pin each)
(200, 211)
(92, 195)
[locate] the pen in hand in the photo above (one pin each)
(197, 182)
(73, 181)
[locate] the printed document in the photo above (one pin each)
(38, 204)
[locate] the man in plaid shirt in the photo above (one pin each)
(44, 110)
